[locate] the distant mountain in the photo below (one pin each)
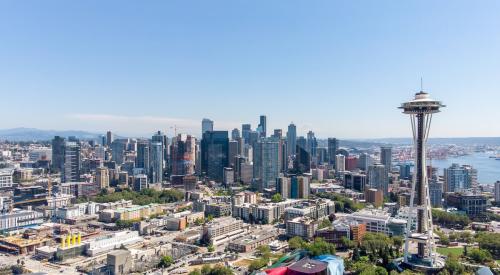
(32, 134)
(458, 141)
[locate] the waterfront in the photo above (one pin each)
(488, 169)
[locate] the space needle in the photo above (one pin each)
(421, 110)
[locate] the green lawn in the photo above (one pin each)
(450, 250)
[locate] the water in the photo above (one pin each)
(488, 169)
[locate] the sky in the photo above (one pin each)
(338, 68)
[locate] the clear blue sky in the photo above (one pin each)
(339, 68)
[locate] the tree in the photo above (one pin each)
(276, 198)
(398, 243)
(320, 247)
(296, 243)
(347, 243)
(453, 266)
(195, 272)
(480, 256)
(325, 223)
(166, 261)
(489, 242)
(210, 248)
(264, 251)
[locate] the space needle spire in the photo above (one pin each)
(421, 109)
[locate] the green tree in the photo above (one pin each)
(166, 261)
(264, 251)
(320, 247)
(325, 223)
(453, 266)
(210, 248)
(276, 198)
(195, 272)
(490, 242)
(296, 243)
(480, 256)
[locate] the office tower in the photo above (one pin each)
(100, 152)
(333, 146)
(140, 182)
(266, 162)
(293, 187)
(302, 143)
(57, 154)
(102, 177)
(405, 171)
(118, 148)
(312, 144)
(351, 163)
(497, 191)
(436, 193)
(278, 133)
(355, 181)
(374, 196)
(364, 161)
(339, 163)
(421, 110)
(235, 134)
(291, 140)
(245, 132)
(377, 177)
(233, 151)
(72, 162)
(183, 155)
(142, 159)
(386, 159)
(253, 137)
(459, 178)
(322, 157)
(156, 162)
(214, 154)
(262, 126)
(283, 186)
(206, 125)
(228, 178)
(109, 138)
(302, 161)
(162, 138)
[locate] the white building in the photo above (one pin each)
(109, 242)
(378, 221)
(223, 230)
(497, 191)
(6, 177)
(19, 218)
(339, 163)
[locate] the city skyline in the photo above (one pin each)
(338, 69)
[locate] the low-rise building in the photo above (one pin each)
(223, 230)
(252, 241)
(19, 218)
(218, 209)
(112, 241)
(304, 227)
(134, 212)
(264, 213)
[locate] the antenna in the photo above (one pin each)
(421, 84)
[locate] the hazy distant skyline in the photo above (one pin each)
(338, 68)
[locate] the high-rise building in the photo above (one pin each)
(235, 134)
(364, 161)
(162, 138)
(339, 163)
(386, 157)
(333, 147)
(109, 138)
(118, 148)
(142, 159)
(183, 155)
(421, 110)
(278, 133)
(377, 177)
(156, 162)
(266, 162)
(497, 191)
(355, 181)
(245, 132)
(206, 125)
(214, 154)
(351, 163)
(57, 154)
(374, 196)
(291, 139)
(459, 178)
(312, 144)
(263, 126)
(233, 151)
(405, 171)
(72, 162)
(293, 187)
(436, 193)
(302, 160)
(102, 177)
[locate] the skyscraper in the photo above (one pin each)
(421, 110)
(156, 163)
(364, 161)
(333, 146)
(312, 144)
(162, 138)
(377, 177)
(339, 163)
(142, 159)
(291, 139)
(57, 154)
(102, 177)
(214, 154)
(183, 155)
(206, 125)
(266, 162)
(109, 138)
(118, 148)
(235, 134)
(278, 133)
(497, 191)
(72, 162)
(245, 132)
(302, 160)
(459, 178)
(386, 157)
(263, 126)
